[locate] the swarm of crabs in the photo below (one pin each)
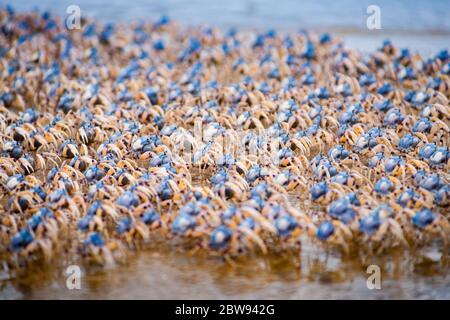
(336, 147)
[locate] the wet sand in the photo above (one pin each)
(309, 274)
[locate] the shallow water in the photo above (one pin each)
(309, 274)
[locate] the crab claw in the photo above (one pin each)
(83, 136)
(397, 231)
(26, 165)
(253, 236)
(260, 218)
(73, 149)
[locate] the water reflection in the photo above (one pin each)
(156, 273)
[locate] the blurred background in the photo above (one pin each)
(422, 25)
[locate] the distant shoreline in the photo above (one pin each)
(427, 36)
(426, 44)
